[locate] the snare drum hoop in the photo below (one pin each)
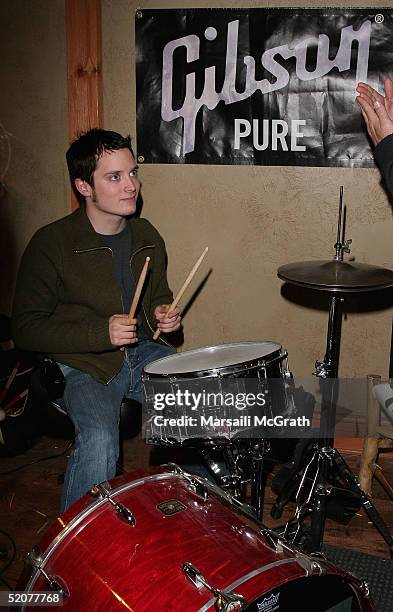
(275, 356)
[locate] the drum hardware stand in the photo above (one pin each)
(324, 457)
(233, 481)
(236, 481)
(257, 452)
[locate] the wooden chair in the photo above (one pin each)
(378, 436)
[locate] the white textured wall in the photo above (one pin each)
(33, 109)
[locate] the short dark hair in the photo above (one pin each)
(85, 151)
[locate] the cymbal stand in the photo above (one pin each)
(314, 488)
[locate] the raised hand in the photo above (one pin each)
(377, 110)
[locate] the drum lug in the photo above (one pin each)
(103, 491)
(200, 490)
(173, 467)
(197, 486)
(364, 588)
(55, 583)
(226, 601)
(310, 565)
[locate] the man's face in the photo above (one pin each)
(115, 184)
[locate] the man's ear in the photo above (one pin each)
(83, 187)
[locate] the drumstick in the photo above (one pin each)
(182, 290)
(138, 289)
(15, 399)
(9, 382)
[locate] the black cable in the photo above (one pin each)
(20, 467)
(2, 581)
(10, 561)
(13, 545)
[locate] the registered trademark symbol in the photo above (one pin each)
(379, 18)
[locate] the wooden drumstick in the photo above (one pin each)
(182, 290)
(138, 289)
(9, 382)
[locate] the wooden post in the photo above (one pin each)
(84, 68)
(370, 446)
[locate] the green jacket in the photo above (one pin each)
(66, 292)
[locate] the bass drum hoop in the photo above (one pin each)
(295, 577)
(78, 519)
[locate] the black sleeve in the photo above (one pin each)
(383, 154)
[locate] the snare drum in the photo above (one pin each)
(166, 541)
(223, 371)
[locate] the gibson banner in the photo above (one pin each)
(258, 86)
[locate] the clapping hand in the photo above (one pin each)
(377, 110)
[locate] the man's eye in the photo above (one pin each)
(114, 177)
(134, 173)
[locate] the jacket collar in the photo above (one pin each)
(84, 236)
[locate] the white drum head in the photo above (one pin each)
(212, 357)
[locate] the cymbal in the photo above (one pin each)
(336, 275)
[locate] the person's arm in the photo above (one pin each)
(43, 322)
(383, 154)
(377, 111)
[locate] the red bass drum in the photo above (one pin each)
(169, 541)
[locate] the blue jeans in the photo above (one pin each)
(94, 409)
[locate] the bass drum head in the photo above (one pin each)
(210, 358)
(311, 594)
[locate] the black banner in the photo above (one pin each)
(258, 86)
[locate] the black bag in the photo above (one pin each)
(52, 378)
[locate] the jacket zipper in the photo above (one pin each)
(100, 248)
(103, 248)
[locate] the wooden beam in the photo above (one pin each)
(84, 68)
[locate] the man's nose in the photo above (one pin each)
(131, 183)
